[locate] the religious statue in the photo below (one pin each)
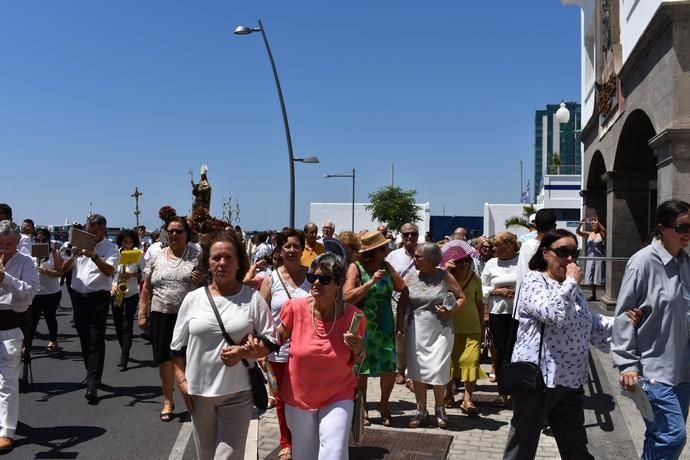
(202, 191)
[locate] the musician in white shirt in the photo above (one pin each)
(91, 283)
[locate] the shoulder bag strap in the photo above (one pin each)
(283, 283)
(226, 336)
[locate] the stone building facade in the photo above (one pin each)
(636, 118)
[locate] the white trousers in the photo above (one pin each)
(10, 363)
(321, 434)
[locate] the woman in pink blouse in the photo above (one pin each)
(319, 385)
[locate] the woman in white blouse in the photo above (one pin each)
(551, 299)
(212, 379)
(498, 286)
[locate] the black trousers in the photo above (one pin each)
(562, 408)
(90, 316)
(46, 304)
(500, 329)
(123, 317)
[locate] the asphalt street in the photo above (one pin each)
(56, 422)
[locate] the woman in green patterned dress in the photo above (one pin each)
(369, 285)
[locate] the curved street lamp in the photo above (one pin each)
(243, 30)
(327, 176)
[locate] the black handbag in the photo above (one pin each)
(522, 376)
(256, 377)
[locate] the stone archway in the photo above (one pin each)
(594, 196)
(631, 196)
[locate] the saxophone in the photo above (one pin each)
(121, 286)
(127, 257)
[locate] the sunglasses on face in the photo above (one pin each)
(564, 252)
(680, 228)
(175, 232)
(410, 235)
(323, 279)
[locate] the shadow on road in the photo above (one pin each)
(138, 394)
(596, 400)
(57, 439)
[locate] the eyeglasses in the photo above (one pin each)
(564, 252)
(323, 279)
(680, 228)
(410, 234)
(175, 232)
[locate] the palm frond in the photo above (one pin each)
(517, 222)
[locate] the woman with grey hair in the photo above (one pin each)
(319, 405)
(429, 329)
(18, 286)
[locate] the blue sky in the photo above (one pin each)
(99, 97)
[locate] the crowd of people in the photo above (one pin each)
(424, 312)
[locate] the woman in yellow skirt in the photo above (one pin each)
(468, 329)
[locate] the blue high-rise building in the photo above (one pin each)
(551, 137)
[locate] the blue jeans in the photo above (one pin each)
(665, 436)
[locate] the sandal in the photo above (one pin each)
(492, 376)
(419, 419)
(386, 419)
(450, 403)
(366, 421)
(168, 416)
(400, 378)
(285, 453)
(469, 409)
(441, 417)
(52, 348)
(271, 402)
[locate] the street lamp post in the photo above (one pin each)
(327, 176)
(242, 30)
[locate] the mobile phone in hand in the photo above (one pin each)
(356, 320)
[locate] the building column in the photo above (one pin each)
(672, 150)
(627, 219)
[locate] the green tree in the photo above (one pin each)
(393, 206)
(521, 221)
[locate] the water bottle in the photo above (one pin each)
(449, 301)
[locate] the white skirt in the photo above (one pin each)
(429, 345)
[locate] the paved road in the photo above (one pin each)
(56, 421)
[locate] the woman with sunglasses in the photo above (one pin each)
(49, 293)
(319, 405)
(369, 285)
(168, 277)
(556, 329)
(288, 281)
(657, 281)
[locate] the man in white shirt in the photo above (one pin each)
(91, 283)
(327, 231)
(28, 230)
(402, 261)
(18, 286)
(544, 220)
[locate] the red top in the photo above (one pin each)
(319, 370)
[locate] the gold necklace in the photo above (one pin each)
(313, 321)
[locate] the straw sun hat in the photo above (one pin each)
(372, 240)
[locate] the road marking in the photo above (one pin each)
(180, 445)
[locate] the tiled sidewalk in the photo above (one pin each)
(485, 435)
